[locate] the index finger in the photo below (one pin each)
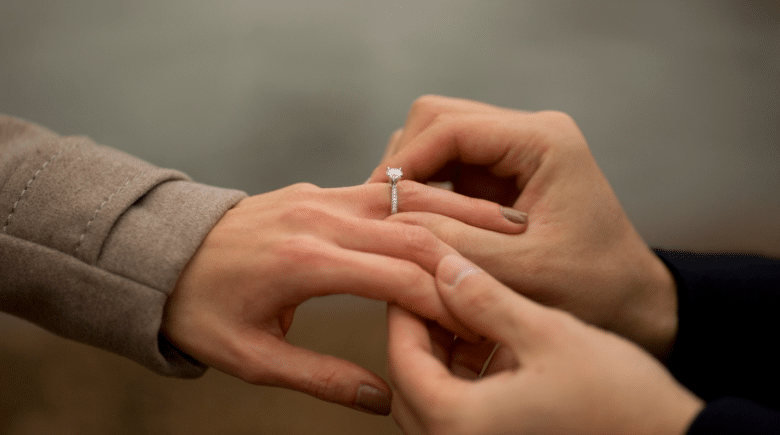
(508, 145)
(427, 108)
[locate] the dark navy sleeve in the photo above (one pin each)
(735, 416)
(726, 350)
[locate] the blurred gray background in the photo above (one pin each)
(679, 102)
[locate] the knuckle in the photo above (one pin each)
(427, 106)
(306, 186)
(557, 117)
(427, 100)
(409, 193)
(296, 210)
(325, 383)
(416, 279)
(303, 188)
(375, 199)
(447, 122)
(562, 130)
(417, 239)
(454, 238)
(378, 192)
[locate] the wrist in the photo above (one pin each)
(676, 415)
(650, 317)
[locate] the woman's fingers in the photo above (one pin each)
(478, 245)
(266, 361)
(472, 211)
(373, 201)
(410, 357)
(319, 268)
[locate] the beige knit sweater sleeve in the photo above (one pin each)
(92, 241)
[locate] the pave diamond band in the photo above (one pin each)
(394, 174)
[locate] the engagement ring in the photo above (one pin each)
(394, 174)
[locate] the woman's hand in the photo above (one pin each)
(570, 378)
(579, 252)
(235, 300)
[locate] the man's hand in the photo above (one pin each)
(579, 252)
(570, 377)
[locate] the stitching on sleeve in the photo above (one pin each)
(26, 187)
(94, 215)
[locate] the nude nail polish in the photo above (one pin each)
(515, 216)
(372, 400)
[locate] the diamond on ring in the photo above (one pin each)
(394, 174)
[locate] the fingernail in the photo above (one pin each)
(513, 215)
(453, 268)
(373, 400)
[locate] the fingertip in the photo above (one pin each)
(373, 400)
(514, 216)
(452, 269)
(474, 212)
(478, 301)
(327, 378)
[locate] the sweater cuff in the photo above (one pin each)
(150, 244)
(117, 304)
(92, 241)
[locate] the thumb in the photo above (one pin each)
(327, 378)
(486, 306)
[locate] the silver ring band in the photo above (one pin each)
(394, 174)
(393, 198)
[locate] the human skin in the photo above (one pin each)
(579, 251)
(571, 377)
(235, 300)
